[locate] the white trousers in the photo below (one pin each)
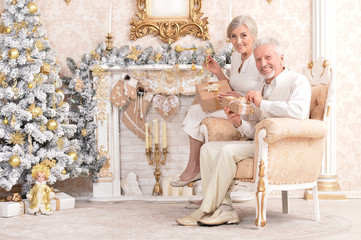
(218, 168)
(192, 122)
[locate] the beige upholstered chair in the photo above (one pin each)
(288, 152)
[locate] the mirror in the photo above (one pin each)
(169, 19)
(169, 8)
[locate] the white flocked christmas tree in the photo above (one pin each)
(34, 125)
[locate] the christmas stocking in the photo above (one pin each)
(134, 116)
(122, 91)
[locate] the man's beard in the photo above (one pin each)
(268, 76)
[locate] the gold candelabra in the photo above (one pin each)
(156, 158)
(109, 41)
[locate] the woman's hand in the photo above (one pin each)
(233, 117)
(229, 93)
(211, 65)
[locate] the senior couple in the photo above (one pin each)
(258, 73)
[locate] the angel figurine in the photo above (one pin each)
(40, 194)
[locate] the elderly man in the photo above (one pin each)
(285, 94)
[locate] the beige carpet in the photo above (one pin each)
(141, 220)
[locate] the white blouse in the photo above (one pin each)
(248, 78)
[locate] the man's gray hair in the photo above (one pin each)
(243, 20)
(268, 40)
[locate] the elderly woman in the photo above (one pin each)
(244, 76)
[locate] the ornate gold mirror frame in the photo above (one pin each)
(169, 28)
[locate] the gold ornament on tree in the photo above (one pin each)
(6, 121)
(45, 69)
(13, 121)
(15, 89)
(28, 55)
(79, 85)
(83, 132)
(13, 53)
(73, 155)
(60, 143)
(32, 7)
(52, 124)
(30, 147)
(49, 163)
(38, 79)
(39, 45)
(35, 111)
(30, 85)
(63, 172)
(59, 91)
(17, 138)
(42, 127)
(14, 161)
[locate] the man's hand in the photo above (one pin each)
(229, 93)
(255, 97)
(233, 117)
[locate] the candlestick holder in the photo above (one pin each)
(156, 158)
(109, 42)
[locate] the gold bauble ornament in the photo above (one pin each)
(32, 7)
(6, 121)
(52, 124)
(59, 91)
(13, 53)
(30, 85)
(63, 172)
(15, 161)
(73, 155)
(8, 30)
(83, 132)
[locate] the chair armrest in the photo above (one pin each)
(279, 128)
(219, 129)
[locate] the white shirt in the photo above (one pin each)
(288, 95)
(248, 78)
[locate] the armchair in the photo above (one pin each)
(288, 153)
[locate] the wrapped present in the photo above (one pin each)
(60, 202)
(207, 94)
(10, 209)
(238, 105)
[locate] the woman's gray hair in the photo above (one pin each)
(268, 40)
(243, 20)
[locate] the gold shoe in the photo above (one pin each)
(220, 217)
(192, 219)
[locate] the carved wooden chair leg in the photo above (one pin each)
(261, 209)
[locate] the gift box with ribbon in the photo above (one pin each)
(207, 94)
(14, 206)
(238, 105)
